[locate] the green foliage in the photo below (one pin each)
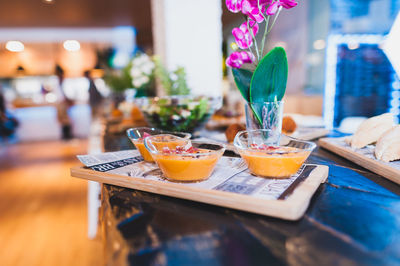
(179, 84)
(162, 74)
(242, 79)
(200, 110)
(171, 116)
(173, 83)
(148, 91)
(119, 80)
(270, 77)
(267, 83)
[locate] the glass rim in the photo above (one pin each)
(236, 142)
(155, 151)
(190, 96)
(281, 101)
(185, 134)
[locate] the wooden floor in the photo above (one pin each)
(43, 211)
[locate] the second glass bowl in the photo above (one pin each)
(178, 113)
(264, 160)
(183, 160)
(138, 134)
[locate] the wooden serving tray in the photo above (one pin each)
(363, 157)
(290, 207)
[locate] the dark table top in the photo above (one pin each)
(353, 219)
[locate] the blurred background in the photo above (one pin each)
(335, 51)
(66, 64)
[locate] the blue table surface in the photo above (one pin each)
(353, 219)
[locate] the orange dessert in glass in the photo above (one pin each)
(278, 161)
(139, 144)
(137, 136)
(185, 163)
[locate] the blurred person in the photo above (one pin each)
(8, 123)
(63, 106)
(95, 97)
(2, 101)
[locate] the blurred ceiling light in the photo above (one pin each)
(50, 2)
(72, 45)
(353, 45)
(15, 46)
(319, 44)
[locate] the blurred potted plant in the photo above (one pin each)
(261, 78)
(136, 79)
(178, 110)
(141, 71)
(138, 75)
(118, 80)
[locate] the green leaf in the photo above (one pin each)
(242, 79)
(179, 85)
(257, 111)
(174, 83)
(270, 77)
(163, 75)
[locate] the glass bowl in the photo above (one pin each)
(178, 113)
(272, 161)
(183, 160)
(137, 135)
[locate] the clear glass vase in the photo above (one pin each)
(265, 115)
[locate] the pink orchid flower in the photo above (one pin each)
(255, 3)
(234, 60)
(247, 57)
(254, 11)
(237, 59)
(288, 3)
(250, 8)
(234, 5)
(272, 9)
(243, 36)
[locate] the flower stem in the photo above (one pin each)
(275, 17)
(264, 36)
(254, 40)
(265, 30)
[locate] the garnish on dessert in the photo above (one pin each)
(263, 147)
(145, 135)
(183, 150)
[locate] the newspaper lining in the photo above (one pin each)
(230, 174)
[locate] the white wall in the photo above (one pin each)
(188, 33)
